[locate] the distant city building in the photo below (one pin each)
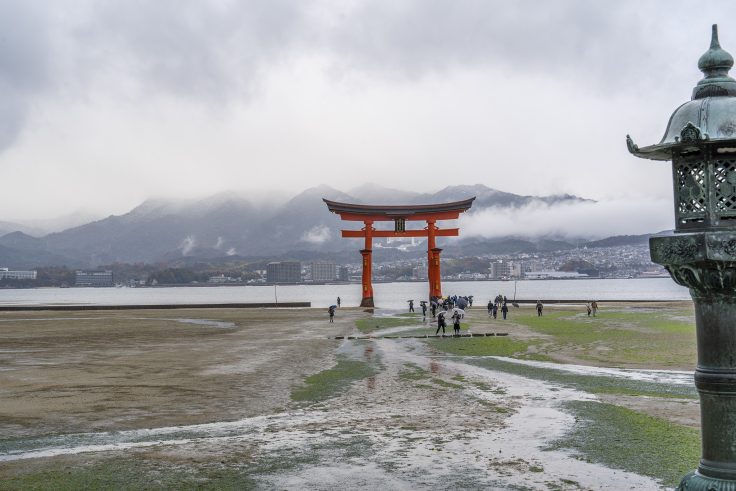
(93, 278)
(501, 269)
(5, 273)
(557, 275)
(221, 278)
(284, 272)
(343, 273)
(323, 271)
(420, 271)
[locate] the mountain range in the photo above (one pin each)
(231, 225)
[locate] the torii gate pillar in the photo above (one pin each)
(435, 282)
(367, 291)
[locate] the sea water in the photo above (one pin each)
(386, 295)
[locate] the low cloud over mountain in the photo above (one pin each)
(228, 224)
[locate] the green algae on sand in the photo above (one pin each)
(621, 438)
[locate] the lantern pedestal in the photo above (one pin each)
(705, 262)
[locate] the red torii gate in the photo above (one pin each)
(368, 214)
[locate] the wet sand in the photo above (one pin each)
(206, 397)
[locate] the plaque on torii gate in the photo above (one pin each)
(400, 214)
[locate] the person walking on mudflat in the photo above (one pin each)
(495, 310)
(424, 310)
(456, 323)
(504, 310)
(411, 305)
(338, 302)
(540, 307)
(440, 323)
(490, 307)
(594, 307)
(331, 311)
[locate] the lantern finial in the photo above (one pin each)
(715, 64)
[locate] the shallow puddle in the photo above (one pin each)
(677, 377)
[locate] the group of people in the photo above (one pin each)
(440, 308)
(498, 303)
(448, 303)
(441, 323)
(458, 303)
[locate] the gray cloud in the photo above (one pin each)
(116, 91)
(573, 39)
(24, 64)
(209, 50)
(214, 51)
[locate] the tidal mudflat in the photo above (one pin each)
(268, 399)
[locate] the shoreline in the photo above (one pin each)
(297, 305)
(261, 305)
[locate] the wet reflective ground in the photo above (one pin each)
(265, 399)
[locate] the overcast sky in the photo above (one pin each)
(106, 103)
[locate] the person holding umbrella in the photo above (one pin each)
(331, 311)
(461, 303)
(456, 322)
(440, 322)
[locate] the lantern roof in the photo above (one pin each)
(709, 118)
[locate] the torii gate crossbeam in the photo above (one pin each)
(369, 214)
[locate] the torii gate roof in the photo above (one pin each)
(396, 211)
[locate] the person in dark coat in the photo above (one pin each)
(338, 302)
(504, 310)
(490, 307)
(411, 305)
(331, 311)
(424, 310)
(440, 323)
(495, 310)
(540, 307)
(434, 309)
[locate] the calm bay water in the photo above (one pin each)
(387, 295)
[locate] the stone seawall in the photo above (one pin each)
(30, 308)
